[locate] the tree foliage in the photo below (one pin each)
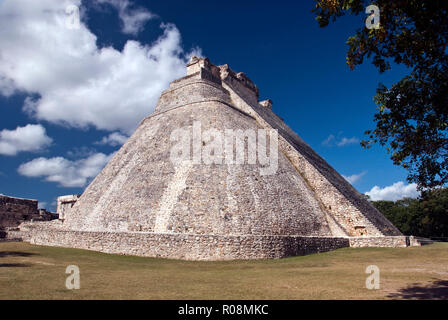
(425, 217)
(412, 115)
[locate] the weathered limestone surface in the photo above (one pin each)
(201, 247)
(65, 203)
(14, 211)
(185, 246)
(208, 199)
(348, 209)
(144, 204)
(394, 242)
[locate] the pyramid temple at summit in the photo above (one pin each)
(176, 190)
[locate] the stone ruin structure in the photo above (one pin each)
(65, 203)
(15, 211)
(143, 203)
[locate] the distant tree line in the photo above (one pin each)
(424, 217)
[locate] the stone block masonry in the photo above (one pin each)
(142, 203)
(201, 247)
(184, 246)
(14, 211)
(65, 203)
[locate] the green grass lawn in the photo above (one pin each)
(37, 272)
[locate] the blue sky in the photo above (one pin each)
(68, 99)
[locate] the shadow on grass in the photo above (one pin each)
(14, 265)
(437, 290)
(15, 254)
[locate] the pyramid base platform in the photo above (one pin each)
(199, 247)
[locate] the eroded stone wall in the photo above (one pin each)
(143, 204)
(14, 211)
(384, 242)
(185, 246)
(65, 203)
(347, 211)
(141, 189)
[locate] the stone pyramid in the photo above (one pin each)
(181, 187)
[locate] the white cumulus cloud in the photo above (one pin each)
(355, 177)
(133, 19)
(32, 137)
(72, 81)
(114, 139)
(347, 141)
(331, 140)
(397, 191)
(66, 172)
